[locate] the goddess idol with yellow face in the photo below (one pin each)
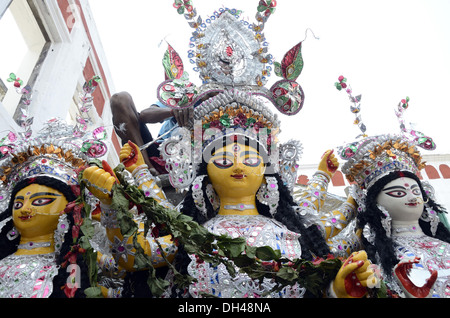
(238, 185)
(236, 191)
(236, 197)
(40, 223)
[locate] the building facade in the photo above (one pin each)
(54, 47)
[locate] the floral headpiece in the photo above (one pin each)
(237, 112)
(376, 156)
(231, 53)
(58, 150)
(370, 158)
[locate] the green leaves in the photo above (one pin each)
(93, 292)
(257, 262)
(229, 247)
(266, 253)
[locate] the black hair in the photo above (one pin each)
(8, 247)
(382, 251)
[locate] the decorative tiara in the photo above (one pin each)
(375, 157)
(232, 59)
(234, 111)
(370, 158)
(229, 52)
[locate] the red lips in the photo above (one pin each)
(237, 176)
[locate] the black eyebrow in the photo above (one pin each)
(20, 198)
(249, 153)
(44, 193)
(400, 187)
(394, 187)
(223, 154)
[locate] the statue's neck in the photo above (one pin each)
(245, 205)
(406, 228)
(42, 244)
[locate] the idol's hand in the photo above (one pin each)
(131, 156)
(100, 182)
(354, 277)
(401, 271)
(328, 163)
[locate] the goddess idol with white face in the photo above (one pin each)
(404, 230)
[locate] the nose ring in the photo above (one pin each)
(420, 200)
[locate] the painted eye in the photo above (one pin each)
(43, 201)
(252, 161)
(223, 163)
(416, 191)
(18, 205)
(396, 194)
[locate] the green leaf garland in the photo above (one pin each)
(257, 262)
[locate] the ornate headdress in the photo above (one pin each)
(230, 52)
(231, 57)
(57, 150)
(370, 158)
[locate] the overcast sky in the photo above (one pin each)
(387, 49)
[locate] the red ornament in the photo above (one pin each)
(229, 50)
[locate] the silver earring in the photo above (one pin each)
(212, 196)
(12, 234)
(369, 234)
(3, 223)
(269, 195)
(197, 195)
(429, 215)
(61, 229)
(385, 222)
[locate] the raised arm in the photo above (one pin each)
(100, 182)
(312, 199)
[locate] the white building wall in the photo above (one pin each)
(72, 49)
